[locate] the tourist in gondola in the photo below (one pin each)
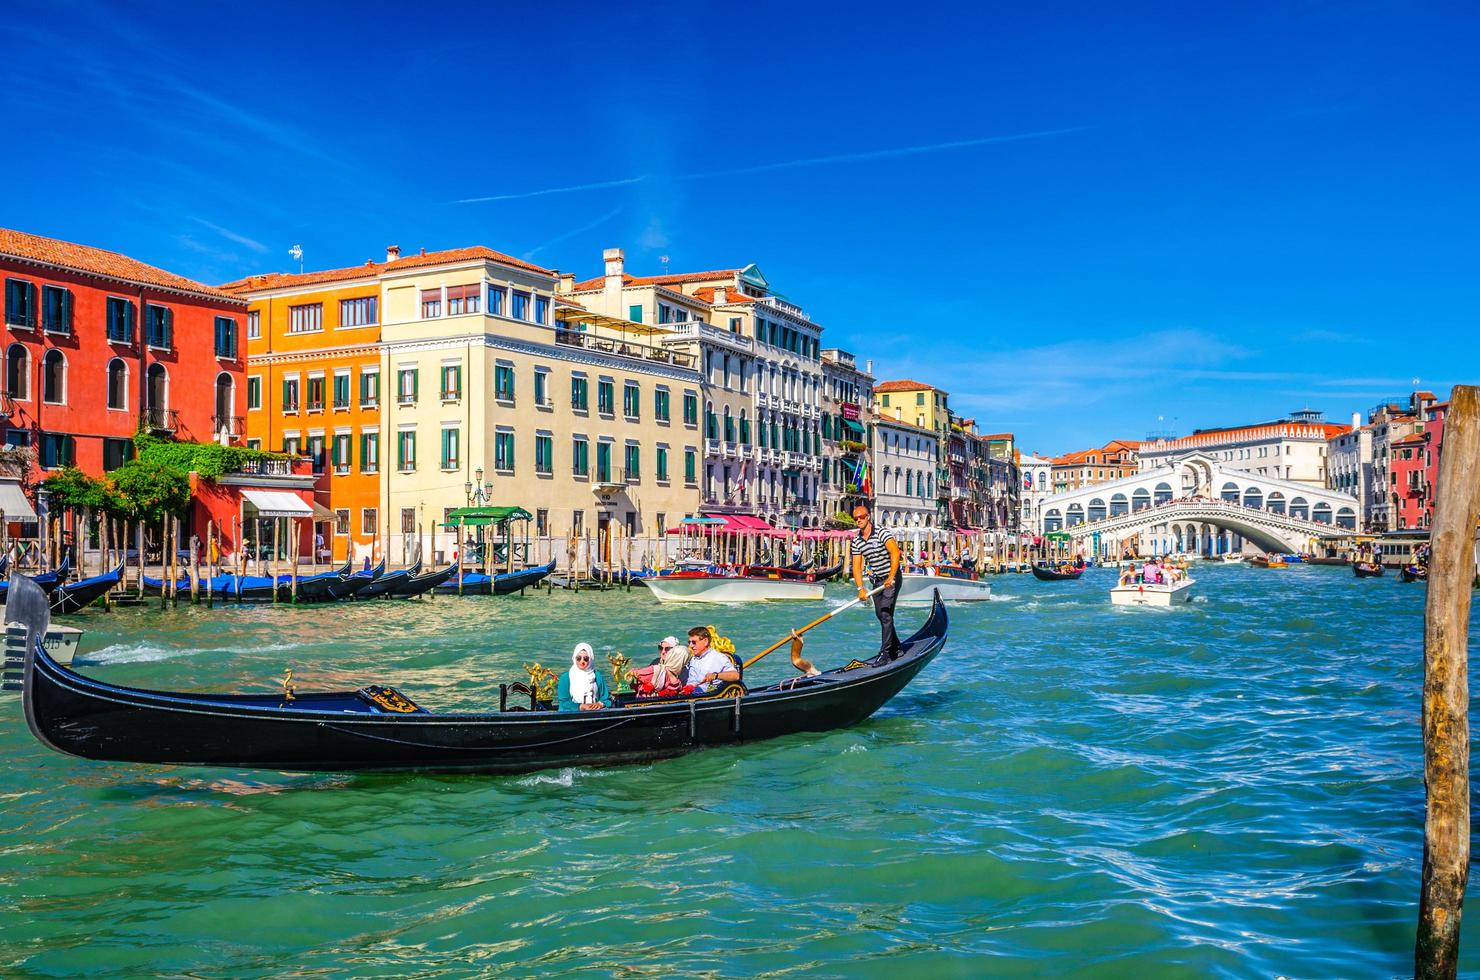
(876, 552)
(582, 688)
(664, 676)
(709, 667)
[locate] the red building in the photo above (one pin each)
(1414, 465)
(98, 345)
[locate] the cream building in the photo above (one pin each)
(487, 371)
(1038, 486)
(784, 388)
(906, 458)
(1288, 449)
(620, 304)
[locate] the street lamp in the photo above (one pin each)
(478, 492)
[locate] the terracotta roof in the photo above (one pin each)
(567, 301)
(687, 277)
(902, 386)
(597, 283)
(96, 261)
(1069, 458)
(283, 280)
(1413, 440)
(1123, 443)
(997, 435)
(733, 297)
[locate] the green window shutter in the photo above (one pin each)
(634, 313)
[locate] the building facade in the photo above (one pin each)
(99, 346)
(1292, 449)
(906, 460)
(1037, 474)
(1116, 459)
(1391, 423)
(1349, 464)
(927, 407)
(847, 412)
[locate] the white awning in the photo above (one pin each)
(276, 503)
(13, 503)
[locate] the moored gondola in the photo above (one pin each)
(415, 585)
(383, 586)
(379, 729)
(478, 583)
(74, 596)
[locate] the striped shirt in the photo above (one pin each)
(872, 548)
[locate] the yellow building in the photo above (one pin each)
(915, 402)
(579, 424)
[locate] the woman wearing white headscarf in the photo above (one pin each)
(582, 688)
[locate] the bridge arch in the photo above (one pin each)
(1052, 520)
(1321, 513)
(1276, 503)
(1300, 508)
(1254, 498)
(1162, 494)
(1096, 511)
(1074, 516)
(1346, 518)
(1230, 492)
(1141, 499)
(1118, 505)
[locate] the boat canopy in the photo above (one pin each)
(485, 516)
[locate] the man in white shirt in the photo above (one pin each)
(709, 668)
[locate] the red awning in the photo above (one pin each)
(733, 523)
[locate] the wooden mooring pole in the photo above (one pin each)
(1446, 691)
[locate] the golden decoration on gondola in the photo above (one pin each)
(723, 644)
(543, 680)
(288, 685)
(621, 676)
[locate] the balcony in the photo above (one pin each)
(711, 447)
(777, 303)
(698, 330)
(623, 348)
(157, 419)
(762, 399)
(231, 426)
(747, 452)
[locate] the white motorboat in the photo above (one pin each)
(917, 590)
(61, 645)
(1138, 594)
(731, 588)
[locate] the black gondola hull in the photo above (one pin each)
(343, 732)
(1052, 575)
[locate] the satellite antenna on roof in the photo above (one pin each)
(296, 253)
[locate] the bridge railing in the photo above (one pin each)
(1179, 502)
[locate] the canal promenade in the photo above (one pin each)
(1231, 788)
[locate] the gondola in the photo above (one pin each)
(379, 729)
(1413, 573)
(1063, 573)
(415, 585)
(1367, 569)
(478, 583)
(383, 586)
(77, 595)
(48, 580)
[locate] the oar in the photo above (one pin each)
(816, 622)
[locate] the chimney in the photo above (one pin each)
(567, 282)
(721, 296)
(614, 265)
(1356, 421)
(392, 253)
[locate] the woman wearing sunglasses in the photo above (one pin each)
(582, 688)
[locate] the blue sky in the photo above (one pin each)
(1084, 221)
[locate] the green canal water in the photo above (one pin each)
(1231, 789)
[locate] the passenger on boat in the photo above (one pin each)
(664, 645)
(665, 676)
(1151, 572)
(582, 688)
(709, 668)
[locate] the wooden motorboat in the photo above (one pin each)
(74, 596)
(378, 728)
(1367, 569)
(1162, 594)
(706, 587)
(479, 583)
(955, 583)
(1268, 561)
(1057, 573)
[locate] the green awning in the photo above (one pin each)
(1059, 536)
(484, 516)
(856, 427)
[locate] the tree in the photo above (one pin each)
(151, 492)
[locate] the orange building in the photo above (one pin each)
(313, 389)
(1117, 458)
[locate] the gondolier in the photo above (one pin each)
(875, 552)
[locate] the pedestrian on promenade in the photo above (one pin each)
(875, 552)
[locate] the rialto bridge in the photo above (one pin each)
(1196, 503)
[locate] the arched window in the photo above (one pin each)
(54, 377)
(1097, 509)
(225, 401)
(744, 429)
(1254, 497)
(1230, 492)
(1346, 518)
(1141, 499)
(729, 426)
(909, 483)
(1322, 513)
(1118, 505)
(18, 372)
(1075, 515)
(157, 396)
(1163, 493)
(1276, 503)
(117, 384)
(1052, 520)
(1300, 508)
